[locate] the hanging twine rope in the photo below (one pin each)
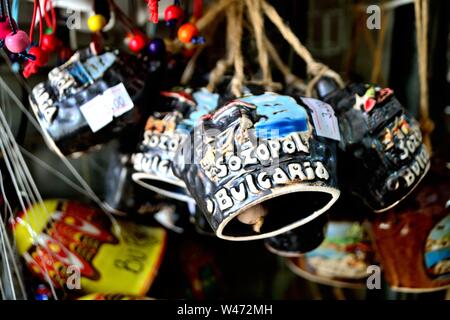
(223, 64)
(256, 19)
(289, 77)
(314, 68)
(190, 67)
(212, 13)
(235, 22)
(238, 79)
(255, 10)
(427, 125)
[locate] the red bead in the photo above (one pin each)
(187, 31)
(41, 56)
(173, 13)
(32, 66)
(17, 42)
(5, 28)
(50, 42)
(137, 42)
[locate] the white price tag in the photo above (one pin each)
(97, 113)
(325, 122)
(118, 99)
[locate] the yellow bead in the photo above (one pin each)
(96, 22)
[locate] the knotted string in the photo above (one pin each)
(314, 68)
(427, 125)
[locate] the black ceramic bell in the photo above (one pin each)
(91, 99)
(296, 242)
(199, 221)
(164, 132)
(382, 157)
(249, 158)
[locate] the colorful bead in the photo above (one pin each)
(17, 42)
(137, 42)
(187, 32)
(49, 42)
(41, 297)
(156, 47)
(41, 56)
(96, 22)
(173, 14)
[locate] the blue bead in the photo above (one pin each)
(15, 67)
(156, 46)
(41, 297)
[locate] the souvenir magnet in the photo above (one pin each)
(60, 237)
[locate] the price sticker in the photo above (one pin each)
(97, 113)
(118, 100)
(325, 122)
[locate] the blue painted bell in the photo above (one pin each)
(254, 154)
(164, 133)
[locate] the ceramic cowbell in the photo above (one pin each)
(164, 132)
(251, 159)
(90, 99)
(342, 260)
(383, 158)
(413, 239)
(297, 242)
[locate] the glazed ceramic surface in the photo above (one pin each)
(252, 150)
(164, 133)
(89, 100)
(297, 242)
(383, 158)
(413, 240)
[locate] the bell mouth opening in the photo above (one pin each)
(171, 188)
(276, 214)
(300, 241)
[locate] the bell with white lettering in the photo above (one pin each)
(91, 99)
(257, 166)
(198, 219)
(164, 132)
(382, 157)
